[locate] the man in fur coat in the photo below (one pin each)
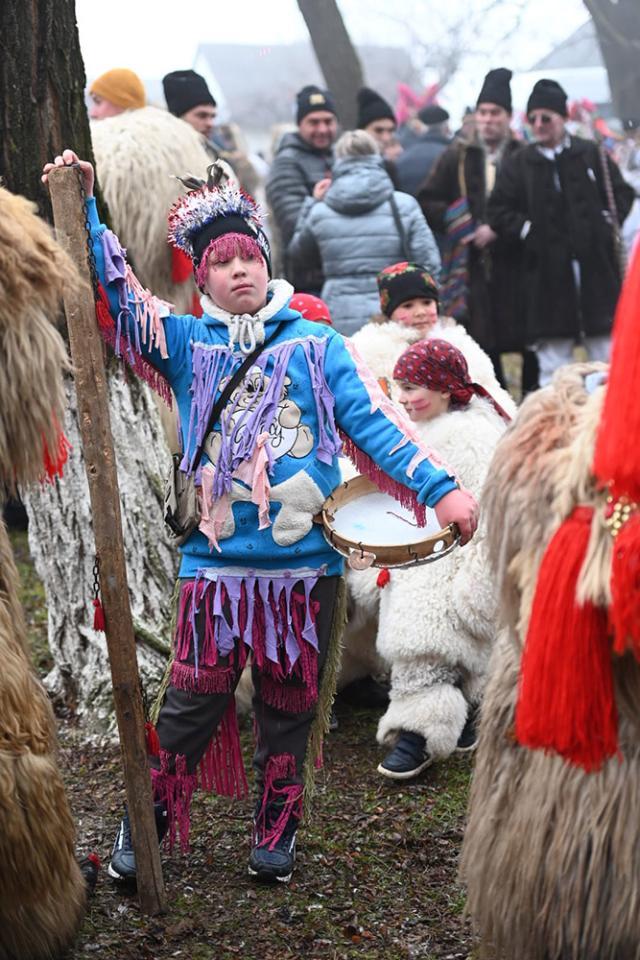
(555, 203)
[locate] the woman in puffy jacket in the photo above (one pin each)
(359, 224)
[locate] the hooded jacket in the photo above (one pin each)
(355, 232)
(272, 459)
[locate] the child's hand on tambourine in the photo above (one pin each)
(67, 159)
(459, 507)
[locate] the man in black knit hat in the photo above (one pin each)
(558, 202)
(301, 168)
(376, 117)
(416, 162)
(467, 169)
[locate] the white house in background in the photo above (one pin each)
(576, 64)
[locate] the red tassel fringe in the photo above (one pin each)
(54, 465)
(181, 266)
(383, 578)
(617, 454)
(566, 702)
(152, 740)
(98, 615)
(624, 613)
(365, 465)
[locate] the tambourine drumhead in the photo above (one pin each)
(362, 523)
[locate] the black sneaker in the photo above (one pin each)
(408, 758)
(123, 858)
(273, 861)
(468, 739)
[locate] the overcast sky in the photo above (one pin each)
(156, 36)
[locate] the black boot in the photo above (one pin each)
(408, 758)
(273, 844)
(123, 858)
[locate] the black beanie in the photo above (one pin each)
(371, 106)
(404, 281)
(432, 114)
(184, 90)
(496, 88)
(548, 95)
(310, 99)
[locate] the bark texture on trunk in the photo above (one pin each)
(618, 28)
(336, 55)
(61, 542)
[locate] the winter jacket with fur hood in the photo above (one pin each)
(355, 232)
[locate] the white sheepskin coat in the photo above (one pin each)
(380, 345)
(437, 621)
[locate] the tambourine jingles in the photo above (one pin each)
(370, 528)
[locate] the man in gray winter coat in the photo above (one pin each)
(304, 158)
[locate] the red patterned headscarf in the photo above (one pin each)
(438, 365)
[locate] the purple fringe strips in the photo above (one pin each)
(221, 770)
(248, 415)
(365, 465)
(279, 768)
(274, 621)
(148, 323)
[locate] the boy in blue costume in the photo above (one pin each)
(257, 577)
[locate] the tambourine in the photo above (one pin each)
(370, 528)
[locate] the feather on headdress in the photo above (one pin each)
(211, 209)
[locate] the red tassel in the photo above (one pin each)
(103, 315)
(181, 266)
(624, 612)
(98, 615)
(566, 702)
(383, 578)
(152, 740)
(617, 454)
(54, 465)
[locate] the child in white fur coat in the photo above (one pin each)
(436, 622)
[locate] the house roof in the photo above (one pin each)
(259, 84)
(581, 49)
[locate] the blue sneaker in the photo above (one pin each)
(273, 861)
(408, 758)
(123, 858)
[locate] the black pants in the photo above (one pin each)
(188, 721)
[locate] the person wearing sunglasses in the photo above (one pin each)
(560, 201)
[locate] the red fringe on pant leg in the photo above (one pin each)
(216, 680)
(182, 639)
(222, 767)
(175, 790)
(279, 768)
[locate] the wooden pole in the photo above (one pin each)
(97, 443)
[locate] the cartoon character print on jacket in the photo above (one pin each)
(285, 436)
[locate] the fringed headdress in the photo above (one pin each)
(216, 217)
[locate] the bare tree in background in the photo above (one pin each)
(617, 24)
(42, 84)
(336, 55)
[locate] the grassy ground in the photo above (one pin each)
(376, 874)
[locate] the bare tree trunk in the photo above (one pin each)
(61, 543)
(42, 84)
(618, 28)
(336, 55)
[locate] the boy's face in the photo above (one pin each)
(420, 403)
(421, 313)
(238, 285)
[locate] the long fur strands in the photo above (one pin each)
(42, 892)
(34, 270)
(551, 853)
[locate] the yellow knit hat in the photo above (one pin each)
(122, 87)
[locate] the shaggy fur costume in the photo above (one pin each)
(551, 853)
(437, 621)
(380, 343)
(42, 892)
(138, 155)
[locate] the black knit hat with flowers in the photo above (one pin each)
(404, 281)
